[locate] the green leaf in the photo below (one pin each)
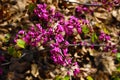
(7, 37)
(118, 56)
(105, 30)
(94, 37)
(89, 78)
(118, 68)
(85, 29)
(66, 78)
(18, 54)
(58, 78)
(115, 78)
(31, 7)
(21, 43)
(11, 50)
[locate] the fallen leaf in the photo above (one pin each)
(116, 14)
(34, 70)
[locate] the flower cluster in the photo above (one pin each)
(34, 35)
(60, 55)
(109, 46)
(82, 9)
(69, 26)
(56, 32)
(104, 37)
(47, 16)
(41, 12)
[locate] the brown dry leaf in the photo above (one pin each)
(29, 78)
(34, 70)
(109, 64)
(105, 60)
(18, 67)
(2, 37)
(116, 14)
(102, 15)
(91, 51)
(84, 49)
(10, 76)
(52, 74)
(101, 76)
(76, 55)
(81, 78)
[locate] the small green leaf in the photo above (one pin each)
(115, 78)
(18, 54)
(58, 78)
(118, 68)
(21, 43)
(31, 7)
(94, 37)
(7, 37)
(66, 78)
(89, 78)
(118, 56)
(85, 29)
(11, 50)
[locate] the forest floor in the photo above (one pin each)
(24, 64)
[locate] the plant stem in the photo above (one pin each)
(87, 4)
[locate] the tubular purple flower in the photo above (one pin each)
(107, 37)
(79, 30)
(38, 38)
(66, 43)
(85, 8)
(76, 72)
(39, 27)
(21, 32)
(65, 51)
(70, 27)
(30, 33)
(32, 28)
(59, 38)
(114, 51)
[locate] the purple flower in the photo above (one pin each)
(65, 51)
(59, 28)
(76, 72)
(54, 59)
(71, 27)
(79, 30)
(1, 71)
(59, 38)
(39, 27)
(107, 37)
(66, 43)
(85, 9)
(114, 51)
(38, 38)
(104, 37)
(42, 12)
(30, 33)
(58, 16)
(56, 50)
(21, 32)
(92, 46)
